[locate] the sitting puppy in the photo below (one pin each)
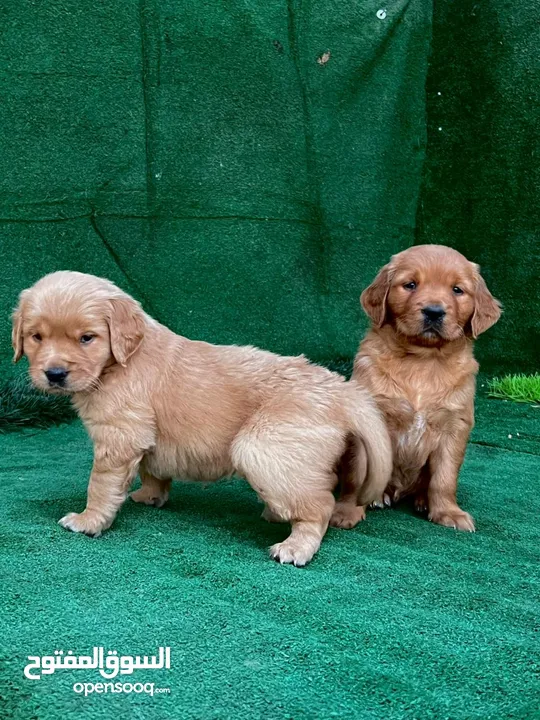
(166, 406)
(426, 306)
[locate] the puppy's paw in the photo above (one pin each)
(346, 516)
(383, 502)
(85, 522)
(290, 552)
(270, 516)
(453, 518)
(150, 496)
(421, 502)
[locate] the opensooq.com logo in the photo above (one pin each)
(109, 666)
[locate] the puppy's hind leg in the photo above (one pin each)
(153, 490)
(291, 476)
(310, 518)
(347, 512)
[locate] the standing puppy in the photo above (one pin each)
(426, 306)
(165, 406)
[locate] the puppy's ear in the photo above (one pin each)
(17, 331)
(487, 310)
(373, 298)
(126, 325)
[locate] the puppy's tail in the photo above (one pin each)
(371, 441)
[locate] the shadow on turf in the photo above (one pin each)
(223, 511)
(228, 507)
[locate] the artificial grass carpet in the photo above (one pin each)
(398, 618)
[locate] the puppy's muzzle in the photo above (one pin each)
(433, 317)
(56, 376)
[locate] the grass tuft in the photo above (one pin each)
(519, 388)
(22, 406)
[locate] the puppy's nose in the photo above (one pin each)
(433, 313)
(56, 375)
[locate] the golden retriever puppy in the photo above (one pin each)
(426, 306)
(159, 404)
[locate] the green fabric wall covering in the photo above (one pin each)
(482, 175)
(245, 168)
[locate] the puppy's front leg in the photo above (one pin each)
(112, 474)
(445, 463)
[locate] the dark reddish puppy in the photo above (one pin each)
(427, 306)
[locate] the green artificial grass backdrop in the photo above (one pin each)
(244, 168)
(396, 619)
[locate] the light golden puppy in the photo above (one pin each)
(426, 306)
(165, 406)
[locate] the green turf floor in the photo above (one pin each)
(396, 619)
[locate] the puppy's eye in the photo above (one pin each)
(457, 290)
(87, 338)
(37, 337)
(410, 285)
